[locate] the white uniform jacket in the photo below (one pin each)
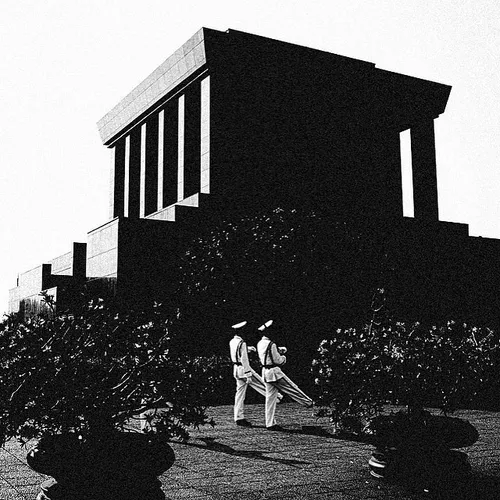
(270, 359)
(239, 357)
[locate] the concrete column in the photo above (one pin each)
(134, 184)
(112, 193)
(117, 179)
(192, 139)
(142, 192)
(126, 180)
(180, 151)
(79, 260)
(406, 173)
(423, 154)
(161, 122)
(205, 136)
(151, 166)
(393, 179)
(170, 142)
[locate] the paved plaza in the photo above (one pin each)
(304, 462)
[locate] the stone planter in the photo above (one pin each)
(419, 464)
(120, 466)
(381, 461)
(423, 454)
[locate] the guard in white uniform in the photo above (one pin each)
(274, 379)
(244, 374)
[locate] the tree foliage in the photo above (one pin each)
(92, 371)
(358, 370)
(295, 265)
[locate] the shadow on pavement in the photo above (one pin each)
(474, 487)
(211, 444)
(469, 487)
(314, 430)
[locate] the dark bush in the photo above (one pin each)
(359, 370)
(93, 371)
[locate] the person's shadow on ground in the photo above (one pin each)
(317, 430)
(211, 444)
(473, 486)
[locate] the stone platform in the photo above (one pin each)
(230, 462)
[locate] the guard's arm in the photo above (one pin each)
(278, 359)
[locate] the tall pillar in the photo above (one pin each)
(151, 166)
(112, 193)
(142, 182)
(192, 140)
(159, 195)
(126, 177)
(180, 151)
(134, 184)
(117, 179)
(393, 178)
(377, 191)
(171, 148)
(205, 136)
(148, 198)
(423, 154)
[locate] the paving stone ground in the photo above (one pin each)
(230, 462)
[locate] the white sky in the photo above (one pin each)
(65, 63)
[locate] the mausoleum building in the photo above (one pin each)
(235, 122)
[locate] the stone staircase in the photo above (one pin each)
(185, 209)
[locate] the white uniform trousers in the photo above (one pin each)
(241, 389)
(286, 386)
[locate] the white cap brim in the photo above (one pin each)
(267, 324)
(239, 325)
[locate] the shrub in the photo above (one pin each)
(351, 372)
(359, 370)
(91, 372)
(282, 262)
(444, 366)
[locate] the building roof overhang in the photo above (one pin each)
(401, 99)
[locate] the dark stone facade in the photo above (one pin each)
(234, 122)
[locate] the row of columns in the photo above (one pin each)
(164, 159)
(167, 158)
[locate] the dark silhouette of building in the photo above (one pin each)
(237, 122)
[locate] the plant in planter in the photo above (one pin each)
(352, 378)
(420, 448)
(359, 370)
(352, 372)
(443, 367)
(77, 382)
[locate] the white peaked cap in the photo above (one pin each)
(239, 325)
(267, 324)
